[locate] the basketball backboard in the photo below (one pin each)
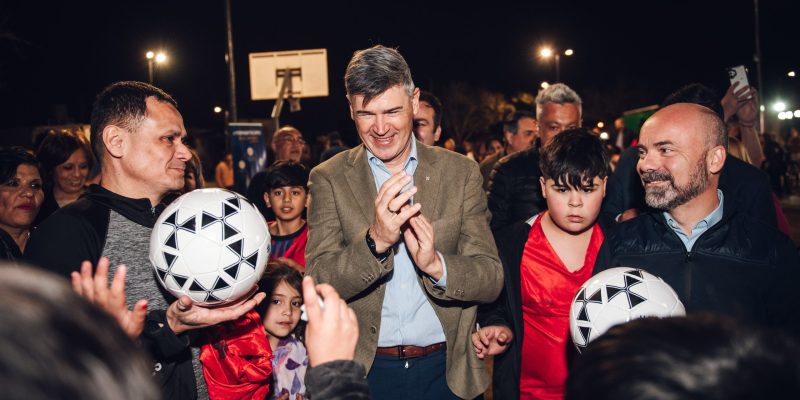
(308, 68)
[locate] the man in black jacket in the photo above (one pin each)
(138, 137)
(514, 192)
(519, 133)
(716, 258)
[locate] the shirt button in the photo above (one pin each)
(373, 329)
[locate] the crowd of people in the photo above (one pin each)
(415, 264)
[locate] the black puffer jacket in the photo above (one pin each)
(514, 191)
(740, 267)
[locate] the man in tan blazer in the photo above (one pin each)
(401, 230)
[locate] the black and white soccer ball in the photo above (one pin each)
(616, 296)
(211, 245)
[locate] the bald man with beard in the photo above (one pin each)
(716, 258)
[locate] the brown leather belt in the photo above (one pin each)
(410, 351)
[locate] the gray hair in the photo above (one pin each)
(558, 93)
(374, 70)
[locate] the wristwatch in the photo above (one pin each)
(371, 244)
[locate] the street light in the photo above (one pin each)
(547, 52)
(218, 110)
(153, 57)
(791, 74)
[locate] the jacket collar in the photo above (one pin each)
(137, 210)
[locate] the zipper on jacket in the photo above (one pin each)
(688, 270)
(687, 279)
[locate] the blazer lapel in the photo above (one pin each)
(427, 179)
(362, 183)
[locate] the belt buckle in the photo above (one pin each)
(402, 351)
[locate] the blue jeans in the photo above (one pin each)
(390, 378)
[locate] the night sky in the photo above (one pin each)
(58, 55)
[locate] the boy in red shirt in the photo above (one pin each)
(545, 260)
(286, 193)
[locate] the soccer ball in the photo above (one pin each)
(616, 296)
(211, 245)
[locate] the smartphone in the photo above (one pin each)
(738, 74)
(304, 316)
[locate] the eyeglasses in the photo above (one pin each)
(292, 139)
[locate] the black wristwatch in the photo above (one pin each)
(371, 244)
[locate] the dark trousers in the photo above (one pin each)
(390, 378)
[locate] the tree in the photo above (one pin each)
(470, 112)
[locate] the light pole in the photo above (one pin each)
(154, 58)
(547, 52)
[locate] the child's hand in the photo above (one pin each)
(95, 289)
(332, 333)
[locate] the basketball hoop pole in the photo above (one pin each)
(286, 92)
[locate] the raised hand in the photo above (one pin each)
(95, 289)
(392, 211)
(742, 102)
(332, 331)
(491, 340)
(748, 110)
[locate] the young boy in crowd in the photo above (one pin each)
(545, 260)
(286, 193)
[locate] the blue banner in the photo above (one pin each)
(249, 152)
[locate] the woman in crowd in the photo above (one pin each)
(66, 160)
(21, 197)
(193, 176)
(192, 179)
